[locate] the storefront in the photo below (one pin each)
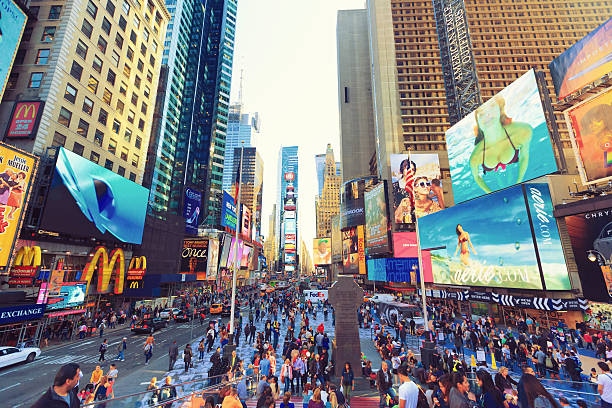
(22, 324)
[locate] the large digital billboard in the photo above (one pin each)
(352, 206)
(229, 218)
(213, 259)
(405, 245)
(591, 237)
(191, 210)
(590, 125)
(394, 270)
(98, 202)
(235, 254)
(194, 256)
(584, 62)
(350, 262)
(321, 251)
(489, 241)
(17, 170)
(377, 220)
(71, 294)
(502, 143)
(245, 222)
(417, 189)
(12, 23)
(227, 243)
(336, 239)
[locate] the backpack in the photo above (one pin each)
(422, 400)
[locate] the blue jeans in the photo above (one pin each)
(120, 356)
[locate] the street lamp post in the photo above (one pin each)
(235, 274)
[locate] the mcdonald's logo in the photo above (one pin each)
(138, 262)
(105, 264)
(28, 256)
(25, 118)
(24, 111)
(135, 284)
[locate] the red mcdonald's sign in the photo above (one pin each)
(24, 120)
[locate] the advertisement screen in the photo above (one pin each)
(502, 143)
(245, 223)
(246, 256)
(591, 128)
(591, 237)
(235, 251)
(405, 245)
(16, 173)
(71, 294)
(228, 212)
(290, 226)
(486, 242)
(191, 210)
(394, 270)
(227, 243)
(194, 256)
(321, 250)
(584, 62)
(417, 189)
(12, 23)
(377, 221)
(213, 259)
(336, 239)
(98, 202)
(24, 119)
(350, 261)
(352, 207)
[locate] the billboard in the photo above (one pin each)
(247, 252)
(315, 295)
(17, 170)
(502, 143)
(591, 237)
(98, 202)
(235, 254)
(377, 220)
(394, 270)
(228, 212)
(584, 62)
(417, 189)
(245, 222)
(405, 245)
(191, 210)
(24, 119)
(213, 259)
(321, 251)
(12, 23)
(361, 261)
(227, 243)
(71, 294)
(489, 241)
(194, 256)
(352, 206)
(336, 239)
(590, 125)
(350, 263)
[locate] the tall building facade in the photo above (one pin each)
(251, 187)
(270, 241)
(327, 203)
(95, 64)
(357, 143)
(190, 150)
(242, 130)
(288, 177)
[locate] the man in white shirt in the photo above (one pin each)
(604, 385)
(408, 391)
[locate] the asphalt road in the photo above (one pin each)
(22, 384)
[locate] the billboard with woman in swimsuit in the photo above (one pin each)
(502, 143)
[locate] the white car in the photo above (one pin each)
(13, 355)
(168, 313)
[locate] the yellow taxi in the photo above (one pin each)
(216, 308)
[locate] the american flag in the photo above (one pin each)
(410, 180)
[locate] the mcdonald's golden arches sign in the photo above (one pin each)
(105, 264)
(24, 120)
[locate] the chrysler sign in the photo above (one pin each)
(16, 314)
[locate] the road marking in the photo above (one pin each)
(10, 386)
(8, 372)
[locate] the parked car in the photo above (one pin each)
(183, 316)
(169, 313)
(149, 325)
(216, 308)
(13, 355)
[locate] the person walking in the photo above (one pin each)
(347, 380)
(101, 328)
(187, 355)
(121, 350)
(604, 385)
(536, 394)
(201, 349)
(408, 390)
(384, 383)
(172, 355)
(63, 392)
(102, 350)
(148, 352)
(459, 396)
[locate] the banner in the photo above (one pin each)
(229, 219)
(584, 62)
(14, 314)
(194, 256)
(321, 251)
(191, 210)
(405, 245)
(377, 220)
(361, 250)
(350, 261)
(71, 294)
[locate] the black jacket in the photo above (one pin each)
(50, 400)
(382, 382)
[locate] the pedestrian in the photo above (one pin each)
(167, 392)
(384, 382)
(459, 396)
(201, 349)
(408, 390)
(102, 349)
(112, 373)
(63, 392)
(491, 395)
(96, 374)
(102, 391)
(286, 375)
(347, 380)
(148, 352)
(121, 349)
(536, 394)
(101, 328)
(172, 355)
(604, 385)
(287, 400)
(187, 355)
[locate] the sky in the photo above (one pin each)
(286, 51)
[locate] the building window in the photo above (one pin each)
(42, 58)
(98, 137)
(123, 88)
(34, 11)
(109, 164)
(92, 9)
(152, 61)
(122, 23)
(76, 71)
(119, 41)
(140, 65)
(102, 44)
(107, 96)
(121, 171)
(116, 58)
(35, 80)
(81, 49)
(126, 7)
(147, 91)
(103, 117)
(48, 34)
(110, 7)
(138, 142)
(120, 106)
(87, 28)
(127, 136)
(58, 140)
(145, 35)
(83, 128)
(20, 56)
(112, 146)
(124, 153)
(135, 160)
(94, 157)
(12, 81)
(78, 148)
(97, 64)
(116, 126)
(106, 26)
(149, 76)
(127, 70)
(130, 54)
(110, 77)
(141, 124)
(27, 34)
(54, 12)
(143, 49)
(133, 37)
(64, 117)
(137, 81)
(92, 84)
(88, 106)
(70, 93)
(131, 115)
(132, 177)
(136, 21)
(144, 108)
(134, 99)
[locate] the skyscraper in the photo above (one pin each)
(270, 242)
(251, 187)
(357, 125)
(241, 127)
(95, 66)
(287, 186)
(190, 145)
(328, 202)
